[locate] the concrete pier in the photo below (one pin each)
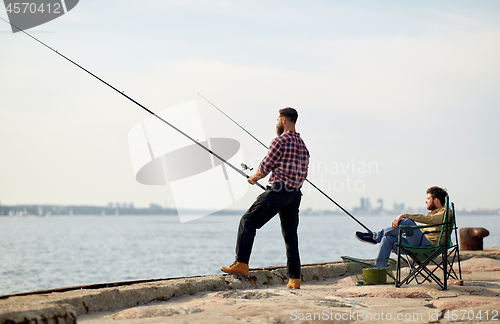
(262, 297)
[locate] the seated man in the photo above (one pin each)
(387, 237)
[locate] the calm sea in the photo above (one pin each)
(38, 253)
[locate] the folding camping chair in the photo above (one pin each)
(421, 259)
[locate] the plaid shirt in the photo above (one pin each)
(288, 159)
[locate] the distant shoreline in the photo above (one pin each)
(73, 210)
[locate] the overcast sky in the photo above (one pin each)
(393, 97)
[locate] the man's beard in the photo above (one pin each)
(280, 129)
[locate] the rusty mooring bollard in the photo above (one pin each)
(471, 238)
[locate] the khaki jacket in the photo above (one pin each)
(433, 217)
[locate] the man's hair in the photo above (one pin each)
(290, 114)
(438, 193)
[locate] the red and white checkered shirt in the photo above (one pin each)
(288, 159)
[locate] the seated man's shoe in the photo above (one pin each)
(236, 267)
(293, 284)
(365, 237)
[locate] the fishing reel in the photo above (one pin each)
(245, 167)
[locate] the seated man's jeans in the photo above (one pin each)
(388, 237)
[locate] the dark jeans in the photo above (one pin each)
(276, 199)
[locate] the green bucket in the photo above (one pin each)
(374, 276)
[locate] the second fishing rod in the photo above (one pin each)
(312, 184)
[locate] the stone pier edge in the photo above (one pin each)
(63, 307)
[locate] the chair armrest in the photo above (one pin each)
(405, 227)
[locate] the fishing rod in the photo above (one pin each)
(312, 184)
(137, 103)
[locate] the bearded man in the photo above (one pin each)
(287, 160)
(388, 237)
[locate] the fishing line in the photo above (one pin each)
(312, 184)
(137, 103)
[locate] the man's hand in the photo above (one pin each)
(395, 222)
(255, 177)
(251, 180)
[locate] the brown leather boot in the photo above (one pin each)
(293, 283)
(236, 267)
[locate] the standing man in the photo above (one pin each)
(388, 237)
(288, 162)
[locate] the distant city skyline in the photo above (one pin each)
(116, 209)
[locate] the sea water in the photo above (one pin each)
(38, 253)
